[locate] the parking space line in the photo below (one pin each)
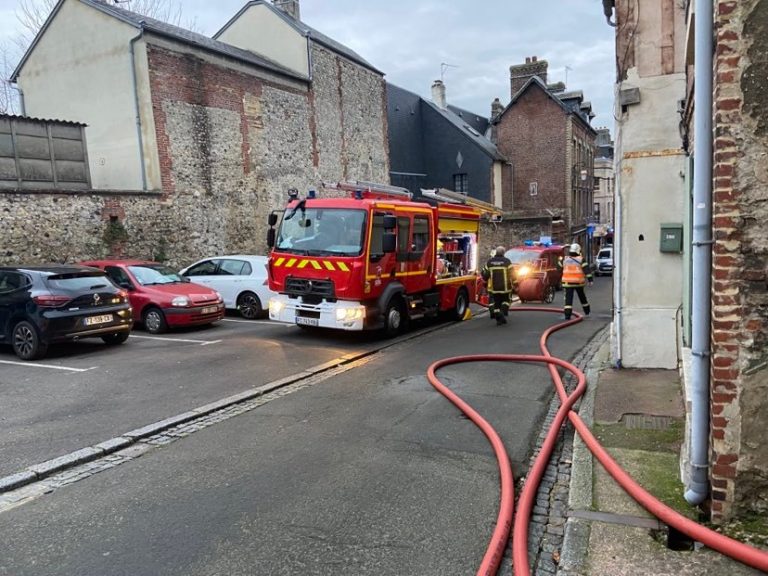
(254, 321)
(201, 342)
(36, 365)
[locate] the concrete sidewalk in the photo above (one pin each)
(638, 416)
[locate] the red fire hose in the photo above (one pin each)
(495, 551)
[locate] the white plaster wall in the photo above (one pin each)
(653, 192)
(80, 70)
(260, 30)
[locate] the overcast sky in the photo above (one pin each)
(408, 40)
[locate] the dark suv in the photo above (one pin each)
(44, 304)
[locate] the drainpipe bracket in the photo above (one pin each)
(703, 243)
(702, 353)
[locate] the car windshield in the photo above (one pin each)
(322, 232)
(519, 256)
(604, 254)
(149, 274)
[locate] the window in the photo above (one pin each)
(533, 188)
(377, 235)
(11, 281)
(231, 267)
(420, 233)
(596, 211)
(403, 234)
(461, 183)
(207, 268)
(118, 276)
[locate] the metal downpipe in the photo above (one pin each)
(137, 105)
(698, 481)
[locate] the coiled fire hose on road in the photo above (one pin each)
(495, 552)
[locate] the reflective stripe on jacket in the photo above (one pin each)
(499, 271)
(574, 271)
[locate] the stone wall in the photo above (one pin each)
(739, 387)
(230, 145)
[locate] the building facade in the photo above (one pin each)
(546, 134)
(192, 141)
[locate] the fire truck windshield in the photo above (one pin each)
(322, 232)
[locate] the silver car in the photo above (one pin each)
(241, 280)
(604, 261)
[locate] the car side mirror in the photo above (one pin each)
(126, 285)
(185, 279)
(271, 234)
(272, 219)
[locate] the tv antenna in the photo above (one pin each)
(443, 67)
(566, 75)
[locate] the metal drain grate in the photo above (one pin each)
(647, 422)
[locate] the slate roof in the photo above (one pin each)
(305, 30)
(570, 102)
(169, 31)
(472, 133)
(479, 123)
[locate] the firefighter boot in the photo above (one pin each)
(500, 320)
(586, 309)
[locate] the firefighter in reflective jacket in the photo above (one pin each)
(498, 276)
(576, 274)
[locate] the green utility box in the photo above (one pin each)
(671, 238)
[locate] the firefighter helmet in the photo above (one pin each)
(575, 249)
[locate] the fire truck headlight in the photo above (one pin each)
(349, 314)
(275, 307)
(524, 271)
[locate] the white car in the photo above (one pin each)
(241, 280)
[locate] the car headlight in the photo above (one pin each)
(349, 314)
(524, 271)
(180, 301)
(275, 307)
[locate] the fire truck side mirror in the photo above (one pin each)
(271, 237)
(390, 223)
(388, 242)
(272, 219)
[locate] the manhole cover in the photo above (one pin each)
(647, 422)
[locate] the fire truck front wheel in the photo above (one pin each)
(461, 305)
(395, 318)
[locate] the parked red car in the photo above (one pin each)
(160, 297)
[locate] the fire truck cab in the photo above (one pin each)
(373, 260)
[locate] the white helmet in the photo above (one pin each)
(575, 249)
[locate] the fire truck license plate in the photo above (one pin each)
(307, 321)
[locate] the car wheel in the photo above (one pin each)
(549, 294)
(26, 341)
(154, 321)
(249, 305)
(461, 305)
(394, 317)
(115, 339)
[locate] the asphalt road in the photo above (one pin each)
(368, 472)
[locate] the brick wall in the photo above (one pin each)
(739, 384)
(532, 135)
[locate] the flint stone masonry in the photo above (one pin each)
(230, 144)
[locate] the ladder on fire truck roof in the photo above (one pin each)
(376, 188)
(445, 195)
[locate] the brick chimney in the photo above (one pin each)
(496, 108)
(438, 94)
(519, 74)
(290, 7)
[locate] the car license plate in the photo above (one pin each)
(92, 320)
(209, 310)
(307, 321)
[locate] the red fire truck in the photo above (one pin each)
(375, 259)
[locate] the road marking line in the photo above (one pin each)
(201, 342)
(268, 322)
(36, 365)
